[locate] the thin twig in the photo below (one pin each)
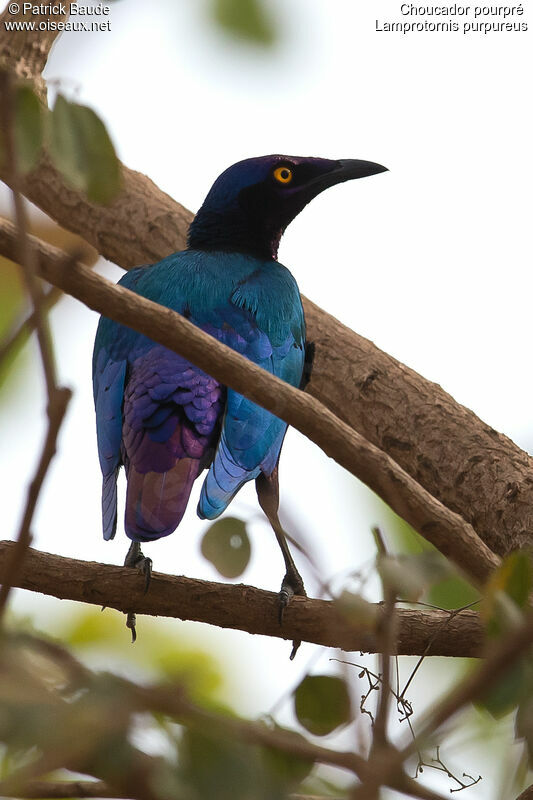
(23, 330)
(388, 635)
(57, 398)
(508, 650)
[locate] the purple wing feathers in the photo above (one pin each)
(171, 418)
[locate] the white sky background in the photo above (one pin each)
(432, 261)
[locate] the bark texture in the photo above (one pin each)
(241, 607)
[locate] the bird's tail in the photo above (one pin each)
(156, 501)
(109, 504)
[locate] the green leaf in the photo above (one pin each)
(227, 546)
(66, 145)
(322, 703)
(82, 150)
(357, 610)
(102, 166)
(409, 576)
(524, 724)
(520, 578)
(215, 766)
(28, 128)
(284, 768)
(507, 593)
(504, 696)
(245, 19)
(451, 591)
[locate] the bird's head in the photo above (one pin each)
(252, 202)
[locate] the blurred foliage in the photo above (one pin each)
(446, 590)
(504, 603)
(160, 655)
(249, 20)
(357, 610)
(82, 150)
(57, 714)
(29, 128)
(76, 139)
(410, 577)
(14, 309)
(226, 545)
(322, 704)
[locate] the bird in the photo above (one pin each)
(164, 419)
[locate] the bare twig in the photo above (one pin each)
(57, 398)
(445, 529)
(23, 330)
(388, 635)
(438, 764)
(478, 683)
(14, 566)
(242, 607)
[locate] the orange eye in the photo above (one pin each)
(283, 174)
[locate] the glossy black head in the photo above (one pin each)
(251, 203)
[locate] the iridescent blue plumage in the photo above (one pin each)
(155, 410)
(163, 418)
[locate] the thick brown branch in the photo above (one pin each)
(446, 530)
(25, 53)
(241, 607)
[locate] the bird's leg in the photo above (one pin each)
(268, 496)
(137, 560)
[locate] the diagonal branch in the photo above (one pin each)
(242, 607)
(442, 527)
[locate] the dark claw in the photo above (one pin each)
(295, 645)
(285, 594)
(131, 623)
(292, 584)
(147, 568)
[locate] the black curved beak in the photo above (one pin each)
(346, 169)
(351, 168)
(354, 168)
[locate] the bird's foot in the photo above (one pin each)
(291, 585)
(135, 559)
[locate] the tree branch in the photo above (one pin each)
(446, 530)
(241, 607)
